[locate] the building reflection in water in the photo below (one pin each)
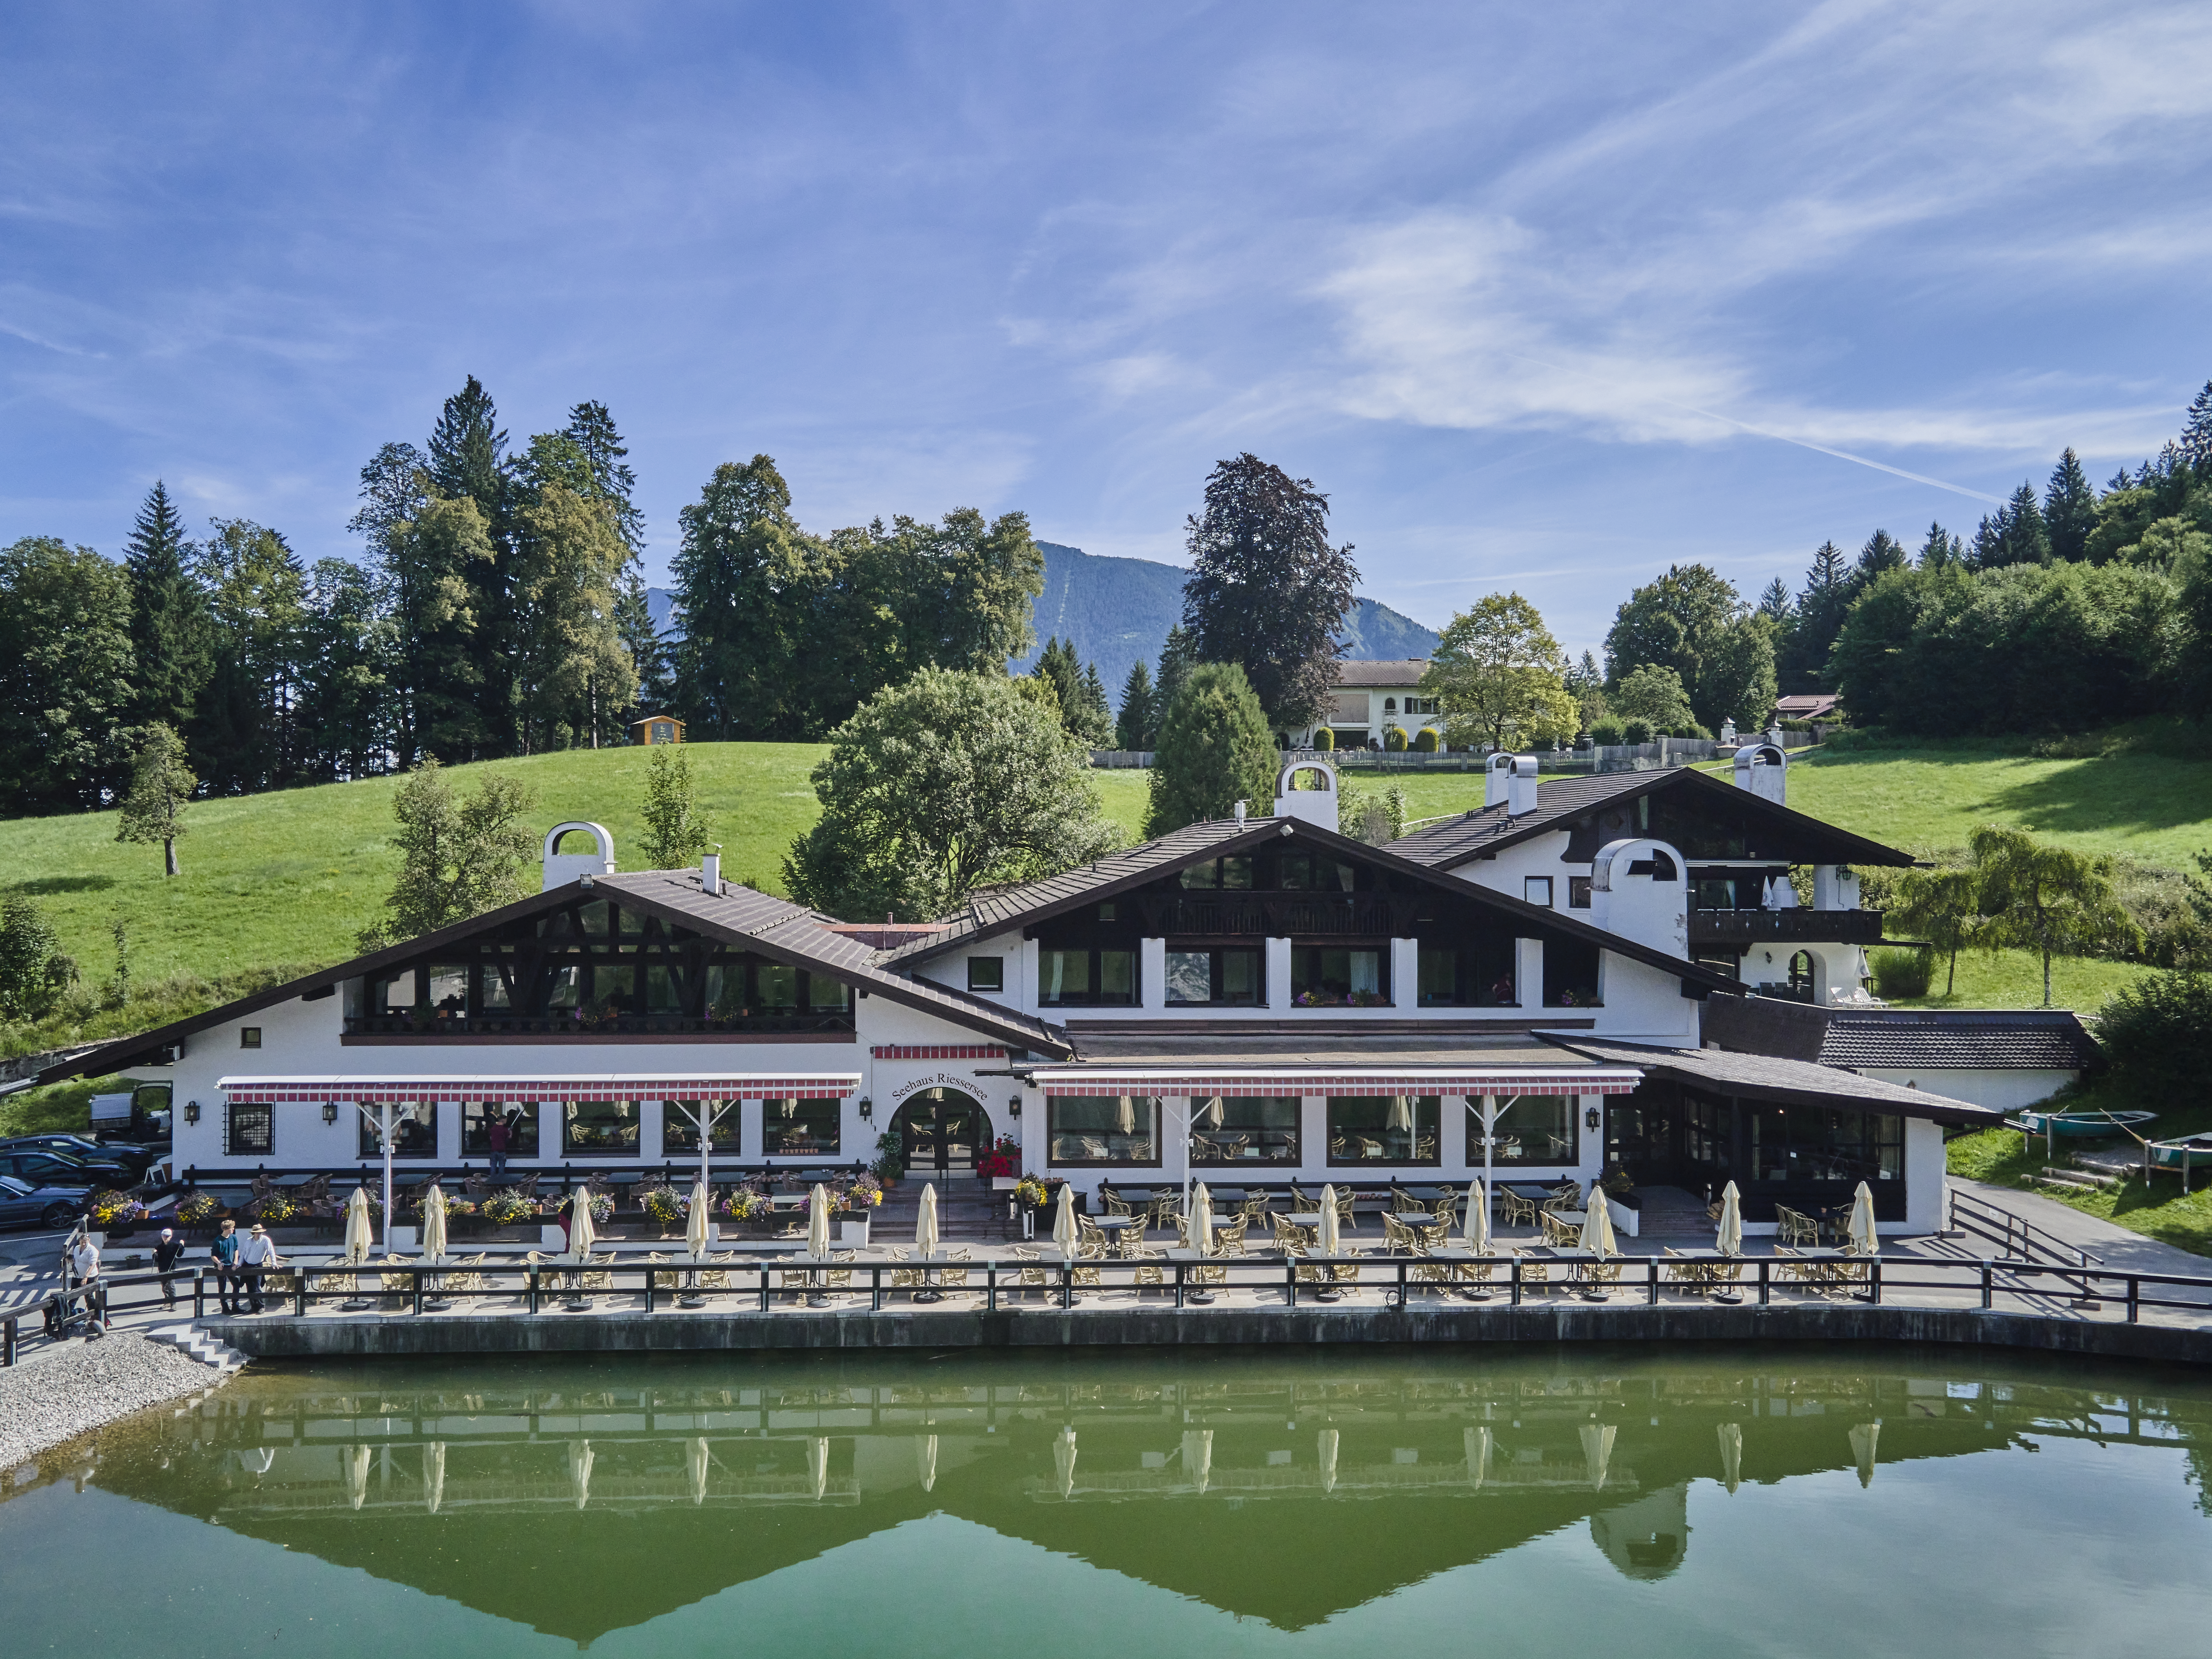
(648, 1489)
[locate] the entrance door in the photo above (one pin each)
(943, 1131)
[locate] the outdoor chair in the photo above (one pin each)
(1447, 1211)
(1032, 1272)
(1534, 1274)
(1289, 1238)
(1115, 1203)
(1515, 1210)
(1567, 1196)
(1149, 1273)
(1230, 1241)
(1795, 1228)
(1344, 1198)
(1555, 1231)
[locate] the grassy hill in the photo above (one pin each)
(279, 882)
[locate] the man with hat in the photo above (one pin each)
(256, 1258)
(167, 1249)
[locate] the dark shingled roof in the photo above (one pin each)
(1785, 1082)
(1560, 801)
(1997, 1040)
(1358, 674)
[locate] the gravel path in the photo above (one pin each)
(66, 1393)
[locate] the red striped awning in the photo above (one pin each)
(376, 1090)
(1062, 1081)
(938, 1051)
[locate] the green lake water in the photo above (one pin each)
(1619, 1503)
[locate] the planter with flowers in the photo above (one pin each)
(999, 1164)
(668, 1208)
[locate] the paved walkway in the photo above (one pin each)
(2114, 1245)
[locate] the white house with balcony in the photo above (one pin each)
(1368, 699)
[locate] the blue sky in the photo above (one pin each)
(1544, 297)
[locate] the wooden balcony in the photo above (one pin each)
(1785, 927)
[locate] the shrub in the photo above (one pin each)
(2155, 1033)
(1608, 733)
(1693, 730)
(1900, 973)
(1394, 738)
(665, 1206)
(1636, 732)
(1427, 740)
(1324, 738)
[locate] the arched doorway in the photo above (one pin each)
(1804, 977)
(942, 1131)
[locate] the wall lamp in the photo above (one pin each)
(1014, 1107)
(1590, 1119)
(329, 1111)
(191, 1111)
(868, 1110)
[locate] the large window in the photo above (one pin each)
(798, 1128)
(1245, 1129)
(607, 1127)
(1533, 1129)
(248, 1131)
(1571, 974)
(1820, 1143)
(679, 1134)
(476, 1119)
(1478, 975)
(1087, 978)
(1384, 1128)
(1339, 976)
(1104, 1129)
(1229, 977)
(1230, 874)
(413, 1130)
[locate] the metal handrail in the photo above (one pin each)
(2010, 1230)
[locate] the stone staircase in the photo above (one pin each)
(967, 1208)
(197, 1344)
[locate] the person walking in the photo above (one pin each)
(84, 1270)
(167, 1251)
(225, 1251)
(497, 1138)
(256, 1258)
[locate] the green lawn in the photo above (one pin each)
(2014, 979)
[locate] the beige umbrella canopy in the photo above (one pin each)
(1597, 1227)
(1597, 1451)
(1125, 1116)
(1325, 1445)
(925, 1233)
(1201, 1220)
(1864, 1438)
(1478, 1455)
(817, 1222)
(1863, 1240)
(434, 1475)
(353, 1464)
(1730, 1240)
(695, 1225)
(925, 1460)
(1331, 1236)
(1400, 1120)
(1198, 1457)
(696, 1460)
(1731, 1455)
(360, 1237)
(1063, 1461)
(582, 1234)
(1063, 1223)
(1478, 1218)
(580, 1471)
(433, 1223)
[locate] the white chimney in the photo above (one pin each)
(710, 874)
(1240, 811)
(1494, 773)
(561, 868)
(1521, 787)
(1763, 768)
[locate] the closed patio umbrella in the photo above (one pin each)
(1063, 1461)
(433, 1223)
(360, 1238)
(580, 1471)
(1729, 1242)
(1863, 1241)
(1124, 1118)
(1597, 1229)
(1198, 1457)
(817, 1222)
(1478, 1218)
(1332, 1231)
(696, 1458)
(434, 1475)
(695, 1225)
(1201, 1220)
(1597, 1451)
(1063, 1223)
(1731, 1455)
(1325, 1445)
(925, 1233)
(1864, 1438)
(817, 1466)
(925, 1459)
(353, 1464)
(1478, 1455)
(582, 1235)
(1402, 1115)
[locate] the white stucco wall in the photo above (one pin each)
(2006, 1091)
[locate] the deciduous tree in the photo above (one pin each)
(34, 971)
(458, 858)
(1943, 907)
(161, 787)
(66, 670)
(740, 579)
(675, 832)
(1501, 677)
(2048, 899)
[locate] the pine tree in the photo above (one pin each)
(1774, 604)
(468, 461)
(168, 614)
(1940, 548)
(591, 430)
(1801, 654)
(2013, 534)
(2069, 506)
(162, 788)
(741, 590)
(1056, 664)
(1178, 656)
(468, 451)
(1877, 558)
(2196, 431)
(1135, 727)
(1095, 723)
(648, 652)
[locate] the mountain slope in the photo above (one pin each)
(1117, 611)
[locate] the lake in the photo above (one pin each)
(1639, 1502)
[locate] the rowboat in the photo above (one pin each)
(2080, 1126)
(2189, 1151)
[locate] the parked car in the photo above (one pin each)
(35, 1167)
(23, 1204)
(141, 1158)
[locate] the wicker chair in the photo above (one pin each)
(1230, 1241)
(1515, 1210)
(1115, 1203)
(1792, 1227)
(1149, 1273)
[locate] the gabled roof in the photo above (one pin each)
(1966, 1039)
(1783, 1082)
(1119, 872)
(1560, 801)
(776, 928)
(1360, 674)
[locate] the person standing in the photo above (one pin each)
(257, 1258)
(497, 1138)
(84, 1270)
(225, 1251)
(167, 1249)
